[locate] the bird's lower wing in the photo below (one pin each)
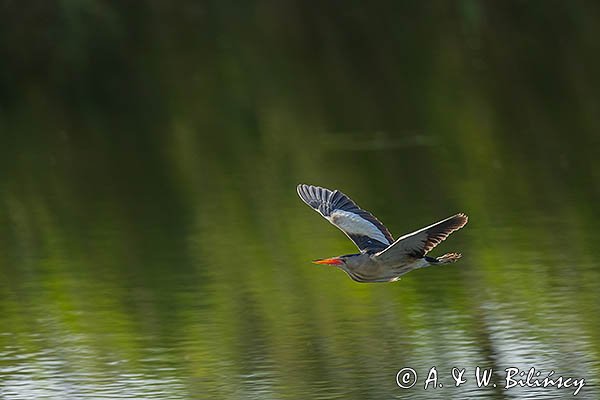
(366, 231)
(419, 243)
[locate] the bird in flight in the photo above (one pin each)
(381, 258)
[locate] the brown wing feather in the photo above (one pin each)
(419, 243)
(438, 233)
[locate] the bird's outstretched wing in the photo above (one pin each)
(419, 243)
(359, 225)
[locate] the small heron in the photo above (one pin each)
(381, 258)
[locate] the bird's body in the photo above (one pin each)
(381, 259)
(366, 267)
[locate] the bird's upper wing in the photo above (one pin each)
(419, 243)
(359, 225)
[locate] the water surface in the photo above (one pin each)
(152, 244)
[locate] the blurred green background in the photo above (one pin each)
(152, 244)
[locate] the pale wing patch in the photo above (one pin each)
(354, 224)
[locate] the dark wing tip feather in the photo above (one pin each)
(316, 197)
(307, 194)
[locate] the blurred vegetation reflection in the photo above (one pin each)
(151, 241)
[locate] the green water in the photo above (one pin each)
(152, 244)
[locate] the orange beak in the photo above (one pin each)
(329, 261)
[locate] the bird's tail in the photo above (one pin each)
(448, 258)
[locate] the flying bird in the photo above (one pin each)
(381, 258)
